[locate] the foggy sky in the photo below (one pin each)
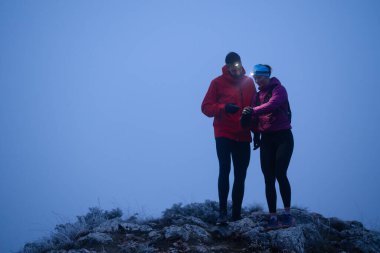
(100, 105)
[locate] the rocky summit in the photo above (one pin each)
(190, 228)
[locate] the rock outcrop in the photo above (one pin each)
(191, 228)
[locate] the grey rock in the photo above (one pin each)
(108, 226)
(252, 234)
(173, 250)
(132, 237)
(181, 220)
(290, 239)
(312, 236)
(338, 224)
(95, 239)
(136, 247)
(181, 246)
(303, 216)
(132, 227)
(80, 251)
(258, 240)
(72, 251)
(241, 226)
(197, 233)
(200, 249)
(259, 217)
(220, 248)
(175, 232)
(155, 235)
(361, 240)
(220, 232)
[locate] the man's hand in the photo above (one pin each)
(256, 140)
(247, 110)
(245, 118)
(231, 108)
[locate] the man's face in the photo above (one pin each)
(235, 69)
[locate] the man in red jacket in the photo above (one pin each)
(225, 99)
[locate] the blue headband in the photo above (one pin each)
(261, 70)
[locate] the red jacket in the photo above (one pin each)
(223, 90)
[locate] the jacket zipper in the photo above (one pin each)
(241, 95)
(242, 101)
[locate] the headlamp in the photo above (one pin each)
(235, 69)
(236, 65)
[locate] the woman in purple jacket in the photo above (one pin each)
(270, 115)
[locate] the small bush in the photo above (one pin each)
(39, 246)
(65, 235)
(97, 216)
(114, 213)
(252, 208)
(207, 211)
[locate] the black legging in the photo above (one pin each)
(275, 152)
(241, 153)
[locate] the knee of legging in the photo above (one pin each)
(270, 182)
(282, 178)
(224, 169)
(224, 176)
(239, 182)
(240, 176)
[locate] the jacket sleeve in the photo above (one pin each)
(279, 97)
(210, 105)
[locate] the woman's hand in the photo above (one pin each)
(247, 110)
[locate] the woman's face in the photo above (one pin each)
(261, 81)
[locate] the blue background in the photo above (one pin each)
(100, 105)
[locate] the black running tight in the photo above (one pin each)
(275, 152)
(240, 153)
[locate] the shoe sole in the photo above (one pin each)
(293, 224)
(222, 223)
(280, 226)
(272, 228)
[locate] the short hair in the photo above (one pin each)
(232, 57)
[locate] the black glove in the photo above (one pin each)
(256, 140)
(231, 108)
(245, 120)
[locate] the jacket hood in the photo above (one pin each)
(272, 82)
(226, 74)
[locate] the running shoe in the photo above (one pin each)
(287, 220)
(272, 224)
(222, 220)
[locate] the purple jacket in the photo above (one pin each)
(271, 116)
